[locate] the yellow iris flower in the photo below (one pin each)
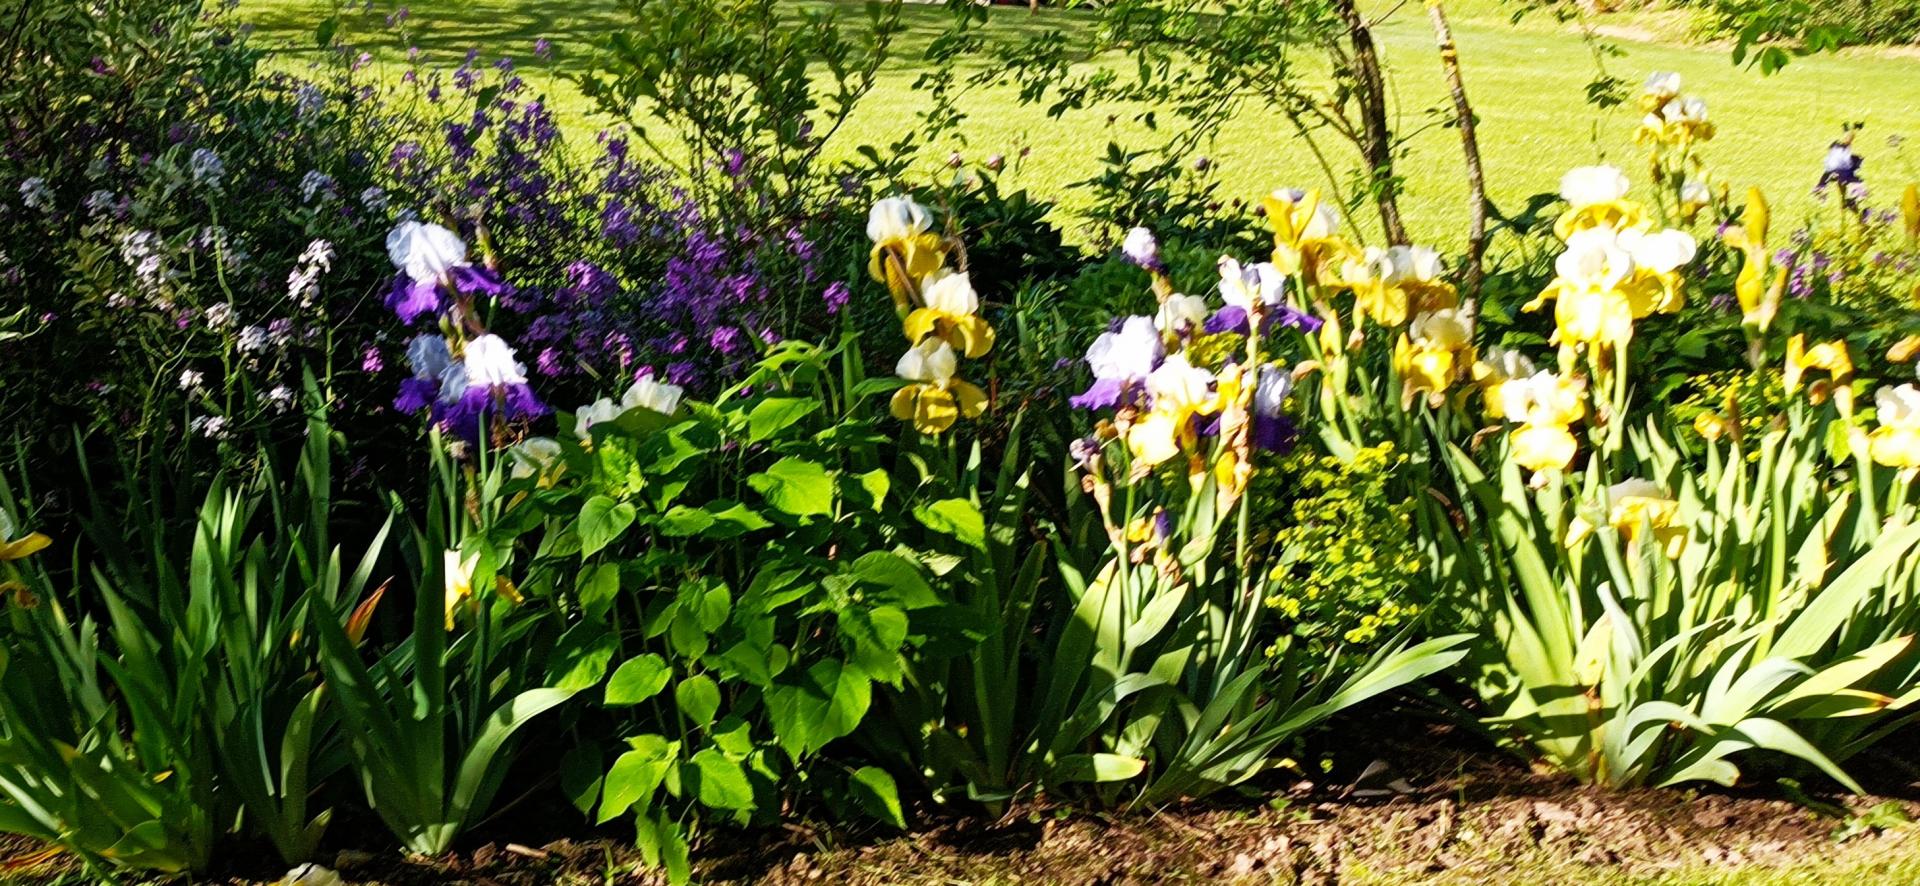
(934, 399)
(1596, 196)
(1759, 297)
(949, 311)
(459, 580)
(1910, 212)
(1896, 442)
(1305, 231)
(1434, 352)
(12, 548)
(1638, 509)
(1497, 367)
(1608, 278)
(1545, 405)
(1829, 357)
(904, 250)
(1389, 285)
(1181, 391)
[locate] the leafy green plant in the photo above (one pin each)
(737, 562)
(431, 722)
(146, 716)
(1749, 608)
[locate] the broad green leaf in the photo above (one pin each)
(680, 521)
(956, 517)
(901, 579)
(638, 679)
(698, 697)
(722, 784)
(602, 520)
(878, 795)
(876, 483)
(597, 589)
(581, 656)
(775, 414)
(635, 775)
(796, 486)
(813, 707)
(734, 520)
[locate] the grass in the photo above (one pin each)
(1527, 83)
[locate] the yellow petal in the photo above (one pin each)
(902, 404)
(935, 411)
(1910, 210)
(972, 400)
(972, 336)
(1541, 447)
(22, 547)
(920, 324)
(1153, 438)
(1895, 447)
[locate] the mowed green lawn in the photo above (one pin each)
(1527, 83)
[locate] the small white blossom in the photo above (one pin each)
(316, 184)
(205, 167)
(219, 316)
(191, 379)
(35, 193)
(252, 340)
(213, 427)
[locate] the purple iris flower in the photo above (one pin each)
(1842, 166)
(1234, 319)
(410, 299)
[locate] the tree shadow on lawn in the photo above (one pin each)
(445, 29)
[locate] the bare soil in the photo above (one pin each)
(1426, 807)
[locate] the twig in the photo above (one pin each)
(1469, 146)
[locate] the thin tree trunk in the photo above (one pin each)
(1377, 140)
(1469, 145)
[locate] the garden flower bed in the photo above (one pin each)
(404, 487)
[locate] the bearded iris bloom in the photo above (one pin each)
(1638, 510)
(1259, 287)
(1182, 393)
(1896, 442)
(934, 399)
(949, 312)
(1391, 284)
(1434, 352)
(904, 250)
(1829, 357)
(1121, 360)
(1596, 195)
(1305, 231)
(14, 546)
(1271, 430)
(486, 380)
(1608, 277)
(432, 260)
(1545, 405)
(1497, 367)
(1181, 314)
(428, 357)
